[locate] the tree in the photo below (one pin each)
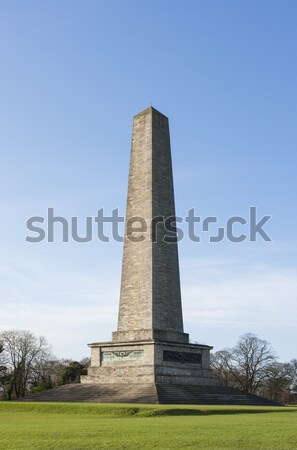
(220, 363)
(2, 358)
(251, 359)
(23, 353)
(246, 365)
(278, 385)
(71, 372)
(293, 365)
(3, 369)
(55, 372)
(46, 375)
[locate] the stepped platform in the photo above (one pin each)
(149, 393)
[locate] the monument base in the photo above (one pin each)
(170, 394)
(147, 362)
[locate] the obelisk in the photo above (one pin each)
(149, 348)
(150, 302)
(150, 359)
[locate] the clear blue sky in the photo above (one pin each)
(73, 74)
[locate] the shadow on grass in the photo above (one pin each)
(207, 412)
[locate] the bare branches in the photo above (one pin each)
(23, 352)
(252, 366)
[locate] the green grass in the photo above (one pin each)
(62, 426)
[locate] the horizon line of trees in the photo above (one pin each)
(27, 366)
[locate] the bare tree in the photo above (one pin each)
(86, 361)
(23, 354)
(293, 365)
(251, 360)
(2, 357)
(220, 363)
(3, 369)
(278, 385)
(246, 365)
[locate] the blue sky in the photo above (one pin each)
(73, 75)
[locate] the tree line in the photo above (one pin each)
(27, 365)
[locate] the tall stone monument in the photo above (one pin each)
(150, 346)
(150, 359)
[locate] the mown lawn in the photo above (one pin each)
(61, 426)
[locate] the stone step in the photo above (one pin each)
(98, 393)
(207, 395)
(149, 393)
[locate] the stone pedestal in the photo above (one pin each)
(147, 362)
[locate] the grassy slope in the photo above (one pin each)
(26, 426)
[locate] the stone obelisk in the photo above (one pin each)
(150, 303)
(150, 347)
(150, 359)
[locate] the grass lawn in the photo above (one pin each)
(61, 426)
